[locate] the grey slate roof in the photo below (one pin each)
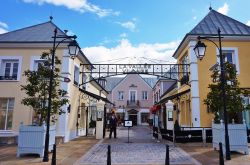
(114, 81)
(214, 20)
(40, 33)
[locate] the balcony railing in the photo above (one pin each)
(133, 103)
(13, 77)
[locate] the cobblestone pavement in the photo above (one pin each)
(143, 150)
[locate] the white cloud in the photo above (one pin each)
(77, 5)
(224, 9)
(194, 18)
(3, 27)
(123, 35)
(135, 54)
(248, 23)
(128, 25)
(2, 30)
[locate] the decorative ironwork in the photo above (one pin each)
(88, 98)
(169, 71)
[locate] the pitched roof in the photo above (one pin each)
(214, 20)
(112, 82)
(40, 33)
(209, 26)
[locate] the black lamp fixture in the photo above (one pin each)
(73, 51)
(200, 49)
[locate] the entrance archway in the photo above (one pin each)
(132, 115)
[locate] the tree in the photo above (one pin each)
(233, 94)
(37, 90)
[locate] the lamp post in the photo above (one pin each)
(200, 49)
(73, 51)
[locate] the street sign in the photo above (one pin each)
(128, 123)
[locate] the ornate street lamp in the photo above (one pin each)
(200, 49)
(73, 51)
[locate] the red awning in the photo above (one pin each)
(155, 108)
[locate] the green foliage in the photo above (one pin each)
(177, 126)
(92, 123)
(37, 90)
(233, 94)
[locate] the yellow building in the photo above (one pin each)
(20, 50)
(188, 98)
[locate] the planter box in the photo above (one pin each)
(91, 131)
(237, 137)
(31, 139)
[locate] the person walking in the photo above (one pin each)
(113, 125)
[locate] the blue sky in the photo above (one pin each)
(111, 29)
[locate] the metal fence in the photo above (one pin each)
(188, 134)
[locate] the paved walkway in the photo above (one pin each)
(67, 153)
(142, 150)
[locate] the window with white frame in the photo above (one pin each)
(9, 69)
(84, 80)
(144, 95)
(38, 63)
(184, 67)
(120, 95)
(6, 113)
(231, 56)
(76, 75)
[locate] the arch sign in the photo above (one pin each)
(102, 71)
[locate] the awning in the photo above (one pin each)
(97, 97)
(155, 108)
(174, 96)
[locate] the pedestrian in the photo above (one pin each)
(113, 124)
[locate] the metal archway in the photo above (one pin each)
(98, 72)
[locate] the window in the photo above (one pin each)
(231, 55)
(144, 95)
(9, 69)
(6, 113)
(84, 80)
(38, 63)
(132, 96)
(184, 67)
(76, 75)
(120, 95)
(144, 117)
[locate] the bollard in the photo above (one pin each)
(221, 155)
(109, 156)
(53, 161)
(167, 155)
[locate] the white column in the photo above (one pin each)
(62, 124)
(169, 107)
(139, 118)
(194, 80)
(99, 122)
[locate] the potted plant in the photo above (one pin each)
(92, 126)
(32, 137)
(234, 106)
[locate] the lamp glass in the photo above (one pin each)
(200, 49)
(73, 49)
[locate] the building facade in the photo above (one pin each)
(20, 50)
(133, 98)
(188, 98)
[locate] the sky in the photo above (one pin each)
(121, 31)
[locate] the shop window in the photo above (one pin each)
(6, 113)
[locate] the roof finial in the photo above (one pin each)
(210, 7)
(50, 18)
